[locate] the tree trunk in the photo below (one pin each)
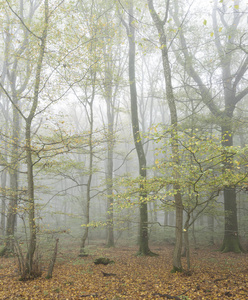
(13, 173)
(30, 203)
(110, 199)
(91, 154)
(28, 147)
(87, 221)
(231, 236)
(53, 260)
(110, 146)
(143, 226)
(177, 266)
(143, 233)
(3, 201)
(211, 229)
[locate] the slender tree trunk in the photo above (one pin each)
(211, 229)
(28, 146)
(177, 266)
(3, 201)
(53, 260)
(30, 203)
(87, 212)
(166, 218)
(91, 155)
(110, 199)
(4, 176)
(13, 173)
(110, 147)
(143, 227)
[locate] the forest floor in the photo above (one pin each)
(213, 276)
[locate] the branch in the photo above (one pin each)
(30, 31)
(241, 72)
(167, 11)
(241, 95)
(204, 91)
(12, 102)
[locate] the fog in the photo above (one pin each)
(85, 87)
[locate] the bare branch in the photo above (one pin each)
(21, 20)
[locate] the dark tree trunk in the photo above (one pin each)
(211, 229)
(89, 181)
(231, 236)
(159, 23)
(143, 228)
(29, 272)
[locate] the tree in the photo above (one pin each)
(202, 177)
(28, 138)
(17, 75)
(232, 91)
(143, 234)
(28, 145)
(159, 23)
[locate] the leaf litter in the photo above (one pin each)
(213, 276)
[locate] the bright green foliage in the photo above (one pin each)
(205, 168)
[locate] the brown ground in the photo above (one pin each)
(214, 276)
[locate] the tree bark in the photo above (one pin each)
(28, 147)
(91, 154)
(177, 266)
(143, 226)
(13, 173)
(211, 229)
(53, 260)
(3, 202)
(231, 241)
(110, 148)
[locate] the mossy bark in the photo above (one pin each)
(231, 241)
(143, 230)
(175, 270)
(231, 238)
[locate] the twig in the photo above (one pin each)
(166, 296)
(108, 274)
(220, 279)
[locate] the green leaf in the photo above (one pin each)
(205, 22)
